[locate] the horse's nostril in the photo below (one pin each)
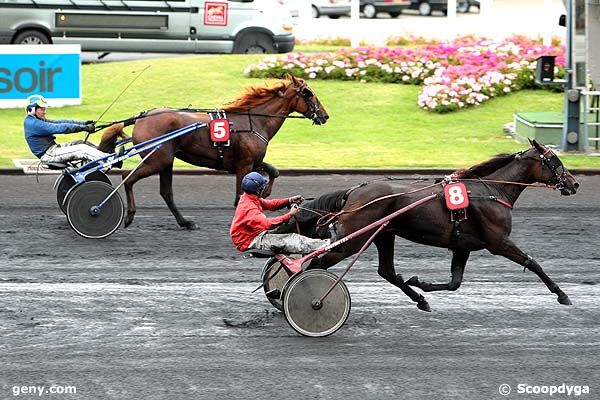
(576, 185)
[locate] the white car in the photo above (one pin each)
(331, 8)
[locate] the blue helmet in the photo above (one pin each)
(254, 183)
(34, 101)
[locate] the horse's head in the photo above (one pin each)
(551, 170)
(306, 102)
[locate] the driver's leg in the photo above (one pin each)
(72, 152)
(288, 243)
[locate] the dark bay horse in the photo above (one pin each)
(255, 117)
(488, 223)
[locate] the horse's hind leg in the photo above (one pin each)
(509, 250)
(141, 173)
(166, 191)
(385, 248)
(459, 261)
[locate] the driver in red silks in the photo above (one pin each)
(250, 226)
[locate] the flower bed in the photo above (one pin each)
(454, 75)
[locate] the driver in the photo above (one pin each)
(250, 226)
(39, 133)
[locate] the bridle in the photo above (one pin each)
(551, 160)
(306, 94)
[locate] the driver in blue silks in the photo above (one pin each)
(39, 134)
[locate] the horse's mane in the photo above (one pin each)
(485, 168)
(255, 96)
(330, 202)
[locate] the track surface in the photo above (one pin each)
(147, 313)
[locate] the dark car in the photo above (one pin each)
(426, 7)
(468, 6)
(370, 8)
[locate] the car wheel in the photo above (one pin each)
(424, 8)
(462, 7)
(315, 12)
(254, 43)
(333, 16)
(394, 14)
(31, 37)
(370, 11)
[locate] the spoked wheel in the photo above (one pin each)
(274, 276)
(302, 309)
(86, 218)
(65, 183)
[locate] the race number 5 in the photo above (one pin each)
(219, 130)
(456, 196)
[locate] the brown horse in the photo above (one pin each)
(255, 118)
(488, 224)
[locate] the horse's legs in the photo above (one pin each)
(459, 261)
(166, 191)
(239, 175)
(509, 250)
(385, 248)
(273, 174)
(144, 171)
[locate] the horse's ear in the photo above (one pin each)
(293, 79)
(531, 142)
(538, 146)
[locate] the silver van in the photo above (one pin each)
(179, 26)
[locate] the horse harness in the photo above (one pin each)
(219, 145)
(458, 209)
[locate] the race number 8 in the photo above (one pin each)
(456, 196)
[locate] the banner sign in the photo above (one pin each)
(215, 13)
(54, 71)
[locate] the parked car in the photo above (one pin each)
(331, 8)
(236, 26)
(370, 8)
(468, 6)
(426, 7)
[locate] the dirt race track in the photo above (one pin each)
(148, 312)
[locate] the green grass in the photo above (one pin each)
(371, 125)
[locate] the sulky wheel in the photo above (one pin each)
(302, 309)
(65, 183)
(83, 213)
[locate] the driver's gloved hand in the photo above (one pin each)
(89, 128)
(90, 121)
(296, 199)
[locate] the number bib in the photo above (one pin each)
(219, 130)
(456, 196)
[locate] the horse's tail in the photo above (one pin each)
(110, 137)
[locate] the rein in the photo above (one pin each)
(144, 114)
(328, 217)
(542, 185)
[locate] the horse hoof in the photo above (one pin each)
(189, 225)
(424, 306)
(127, 222)
(413, 281)
(564, 300)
